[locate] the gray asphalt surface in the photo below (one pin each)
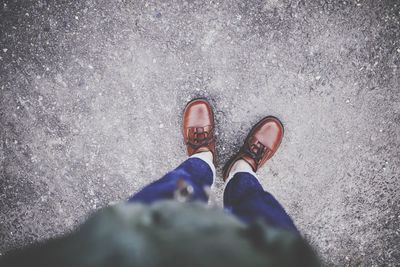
(91, 96)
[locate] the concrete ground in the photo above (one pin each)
(91, 96)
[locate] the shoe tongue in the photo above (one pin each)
(201, 136)
(199, 130)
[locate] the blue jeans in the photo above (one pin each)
(244, 196)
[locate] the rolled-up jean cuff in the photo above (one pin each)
(232, 174)
(207, 160)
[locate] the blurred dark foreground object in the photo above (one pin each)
(167, 233)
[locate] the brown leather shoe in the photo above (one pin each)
(260, 145)
(198, 127)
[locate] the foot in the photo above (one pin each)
(259, 146)
(198, 127)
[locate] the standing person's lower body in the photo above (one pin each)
(244, 196)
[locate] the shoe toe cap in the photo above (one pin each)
(198, 114)
(270, 133)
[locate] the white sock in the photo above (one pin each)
(207, 157)
(240, 166)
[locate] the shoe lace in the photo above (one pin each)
(256, 151)
(198, 137)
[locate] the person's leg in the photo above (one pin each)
(188, 181)
(245, 198)
(244, 195)
(197, 172)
